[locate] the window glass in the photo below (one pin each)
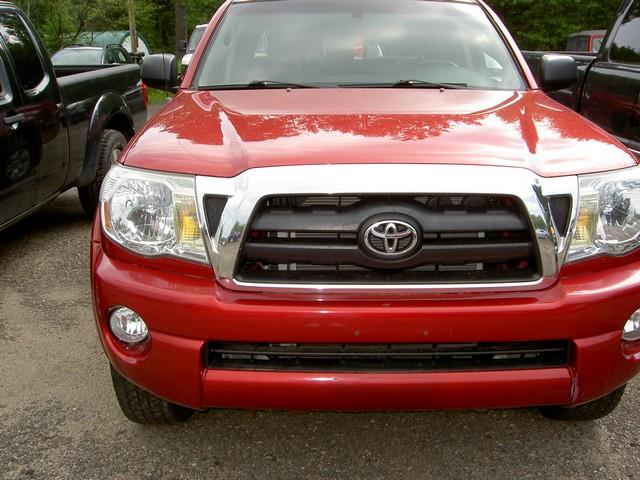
(120, 56)
(577, 44)
(359, 42)
(582, 45)
(3, 88)
(77, 56)
(196, 36)
(596, 44)
(626, 45)
(21, 47)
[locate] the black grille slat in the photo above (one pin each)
(352, 254)
(336, 275)
(349, 219)
(387, 357)
(462, 239)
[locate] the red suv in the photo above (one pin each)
(367, 205)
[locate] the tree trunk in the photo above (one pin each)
(181, 27)
(132, 26)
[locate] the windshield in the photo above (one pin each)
(597, 43)
(77, 56)
(357, 42)
(196, 36)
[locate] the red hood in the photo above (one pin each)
(223, 133)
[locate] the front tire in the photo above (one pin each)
(589, 411)
(142, 407)
(111, 146)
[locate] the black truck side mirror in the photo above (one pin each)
(557, 72)
(160, 71)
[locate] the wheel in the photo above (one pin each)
(589, 411)
(140, 406)
(111, 147)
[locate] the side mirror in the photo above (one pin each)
(557, 72)
(137, 57)
(160, 71)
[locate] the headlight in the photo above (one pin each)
(153, 214)
(608, 215)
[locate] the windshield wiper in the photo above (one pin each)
(275, 83)
(408, 84)
(423, 84)
(257, 84)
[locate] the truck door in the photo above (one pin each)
(613, 83)
(41, 105)
(17, 192)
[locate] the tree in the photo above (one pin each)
(181, 24)
(545, 25)
(60, 21)
(200, 11)
(536, 24)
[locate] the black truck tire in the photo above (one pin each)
(589, 411)
(140, 406)
(111, 146)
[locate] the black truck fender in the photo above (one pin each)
(111, 112)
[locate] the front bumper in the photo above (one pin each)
(184, 311)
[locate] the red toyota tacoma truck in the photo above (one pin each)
(367, 205)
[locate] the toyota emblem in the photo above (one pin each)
(391, 238)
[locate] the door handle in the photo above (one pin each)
(14, 120)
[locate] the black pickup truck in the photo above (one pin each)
(608, 88)
(57, 132)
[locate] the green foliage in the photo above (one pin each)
(546, 24)
(60, 21)
(536, 24)
(200, 11)
(57, 20)
(158, 96)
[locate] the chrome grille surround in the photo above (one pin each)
(248, 189)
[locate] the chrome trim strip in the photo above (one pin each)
(246, 190)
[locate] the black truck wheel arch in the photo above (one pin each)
(110, 113)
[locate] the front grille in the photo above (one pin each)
(387, 357)
(560, 207)
(214, 207)
(319, 240)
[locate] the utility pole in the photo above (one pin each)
(132, 26)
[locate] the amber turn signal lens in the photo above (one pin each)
(188, 227)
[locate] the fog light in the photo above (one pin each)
(128, 326)
(631, 331)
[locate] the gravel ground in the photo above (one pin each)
(59, 418)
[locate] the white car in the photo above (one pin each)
(194, 40)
